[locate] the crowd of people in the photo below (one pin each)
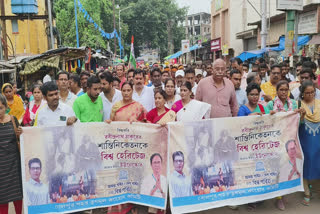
(160, 95)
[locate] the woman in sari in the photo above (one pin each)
(33, 106)
(170, 88)
(188, 109)
(283, 103)
(252, 107)
(127, 109)
(161, 114)
(309, 134)
(15, 103)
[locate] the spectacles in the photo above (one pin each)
(35, 168)
(275, 73)
(309, 93)
(254, 95)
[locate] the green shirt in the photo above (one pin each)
(270, 104)
(88, 111)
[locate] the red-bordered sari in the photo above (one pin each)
(126, 112)
(154, 117)
(129, 112)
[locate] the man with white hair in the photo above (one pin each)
(218, 91)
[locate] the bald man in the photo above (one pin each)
(218, 91)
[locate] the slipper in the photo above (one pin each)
(305, 201)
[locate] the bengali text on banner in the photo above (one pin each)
(233, 161)
(87, 166)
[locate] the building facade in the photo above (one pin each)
(27, 36)
(236, 25)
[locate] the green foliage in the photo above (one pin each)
(146, 20)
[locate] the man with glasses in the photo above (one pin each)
(305, 74)
(218, 91)
(180, 184)
(37, 192)
(65, 96)
(269, 88)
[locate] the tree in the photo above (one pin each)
(100, 11)
(151, 22)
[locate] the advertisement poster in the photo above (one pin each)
(92, 165)
(213, 162)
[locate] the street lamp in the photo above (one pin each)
(118, 7)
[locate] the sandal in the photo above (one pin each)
(306, 201)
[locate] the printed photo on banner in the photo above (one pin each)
(248, 159)
(101, 165)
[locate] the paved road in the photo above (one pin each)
(292, 207)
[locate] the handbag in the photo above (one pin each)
(15, 131)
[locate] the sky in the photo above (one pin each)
(196, 6)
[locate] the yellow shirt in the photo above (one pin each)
(269, 89)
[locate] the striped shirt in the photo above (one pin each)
(37, 193)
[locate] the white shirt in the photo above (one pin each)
(69, 100)
(296, 93)
(241, 97)
(146, 98)
(194, 89)
(47, 117)
(107, 105)
(286, 168)
(47, 78)
(180, 185)
(178, 90)
(37, 193)
(290, 77)
(162, 85)
(149, 182)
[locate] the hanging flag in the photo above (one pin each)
(125, 59)
(132, 60)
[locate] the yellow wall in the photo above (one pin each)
(32, 38)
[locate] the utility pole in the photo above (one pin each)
(114, 27)
(1, 55)
(50, 24)
(264, 32)
(290, 17)
(4, 30)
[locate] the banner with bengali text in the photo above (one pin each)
(233, 161)
(92, 165)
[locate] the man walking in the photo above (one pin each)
(89, 107)
(218, 91)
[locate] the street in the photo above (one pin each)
(293, 206)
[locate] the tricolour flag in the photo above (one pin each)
(132, 59)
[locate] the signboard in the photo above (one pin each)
(233, 161)
(225, 50)
(289, 4)
(307, 23)
(218, 4)
(215, 45)
(185, 46)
